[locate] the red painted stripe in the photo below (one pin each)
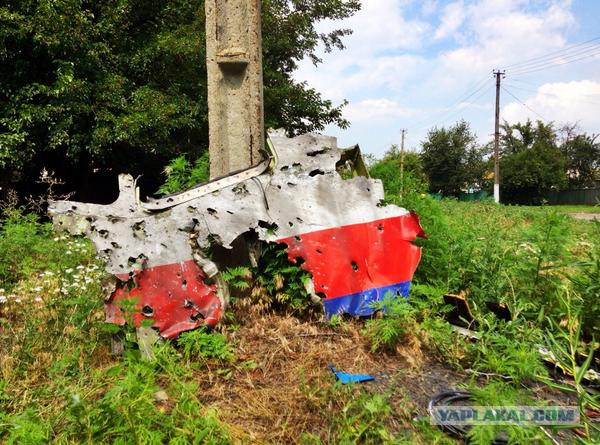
(350, 259)
(174, 296)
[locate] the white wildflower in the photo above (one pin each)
(3, 299)
(17, 300)
(37, 289)
(69, 271)
(38, 299)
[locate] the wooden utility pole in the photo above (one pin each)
(499, 74)
(235, 84)
(402, 164)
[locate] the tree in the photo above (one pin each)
(583, 160)
(89, 89)
(388, 170)
(452, 160)
(532, 165)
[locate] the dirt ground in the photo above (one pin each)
(284, 388)
(586, 216)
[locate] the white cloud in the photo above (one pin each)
(561, 102)
(453, 17)
(380, 109)
(409, 60)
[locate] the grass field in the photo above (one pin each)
(264, 378)
(575, 208)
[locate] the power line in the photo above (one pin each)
(474, 101)
(442, 115)
(478, 85)
(564, 62)
(588, 52)
(543, 56)
(525, 105)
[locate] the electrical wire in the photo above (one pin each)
(525, 105)
(444, 116)
(448, 398)
(468, 93)
(553, 53)
(474, 101)
(559, 57)
(565, 62)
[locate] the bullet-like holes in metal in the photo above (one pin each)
(267, 225)
(316, 172)
(314, 153)
(147, 311)
(197, 316)
(354, 266)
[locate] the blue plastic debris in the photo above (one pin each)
(346, 378)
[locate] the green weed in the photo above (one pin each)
(205, 345)
(398, 318)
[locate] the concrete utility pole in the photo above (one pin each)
(402, 164)
(499, 74)
(235, 84)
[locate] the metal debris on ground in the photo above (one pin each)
(346, 378)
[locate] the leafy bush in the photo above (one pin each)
(363, 421)
(182, 175)
(498, 393)
(509, 349)
(398, 318)
(28, 247)
(279, 283)
(201, 344)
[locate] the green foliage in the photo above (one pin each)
(452, 160)
(583, 160)
(121, 86)
(363, 420)
(509, 349)
(388, 170)
(129, 413)
(27, 247)
(280, 283)
(500, 394)
(182, 175)
(207, 345)
(586, 284)
(567, 345)
(237, 277)
(532, 164)
(398, 318)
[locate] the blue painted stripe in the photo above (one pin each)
(361, 303)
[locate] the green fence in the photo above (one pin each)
(583, 196)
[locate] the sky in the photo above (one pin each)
(418, 64)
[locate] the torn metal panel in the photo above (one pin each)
(356, 248)
(174, 296)
(354, 266)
